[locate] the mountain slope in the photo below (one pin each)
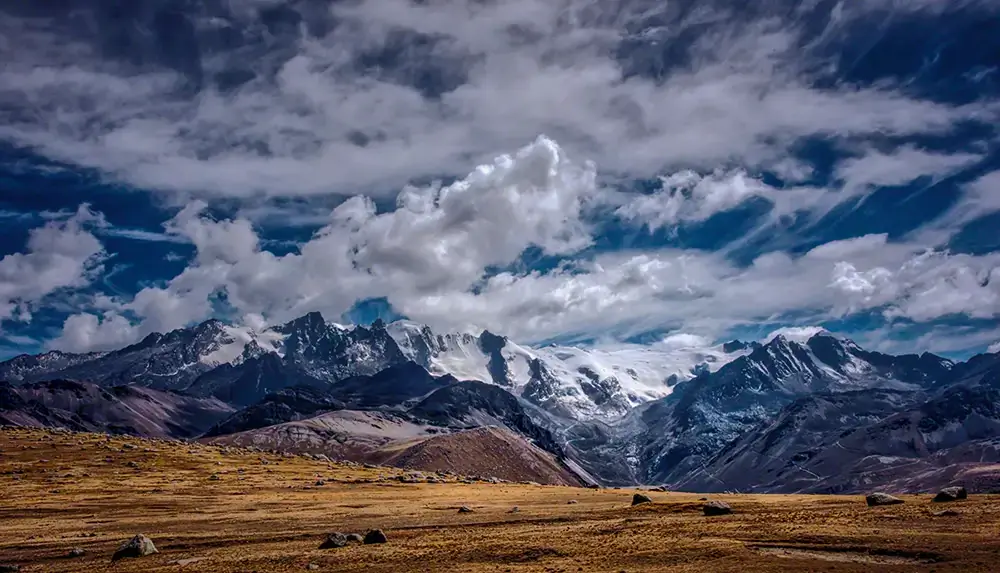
(568, 382)
(691, 427)
(121, 409)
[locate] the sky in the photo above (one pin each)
(574, 171)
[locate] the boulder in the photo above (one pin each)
(374, 536)
(641, 498)
(951, 494)
(879, 498)
(333, 541)
(354, 537)
(138, 546)
(715, 507)
(465, 509)
(76, 552)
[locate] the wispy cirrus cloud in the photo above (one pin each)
(373, 95)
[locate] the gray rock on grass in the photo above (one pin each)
(138, 546)
(879, 498)
(640, 498)
(954, 493)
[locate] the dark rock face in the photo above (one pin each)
(392, 386)
(492, 345)
(878, 498)
(466, 404)
(641, 498)
(375, 536)
(138, 546)
(714, 508)
(283, 406)
(953, 493)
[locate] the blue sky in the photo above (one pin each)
(550, 170)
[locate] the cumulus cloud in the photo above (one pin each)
(994, 348)
(688, 196)
(928, 286)
(447, 256)
(63, 254)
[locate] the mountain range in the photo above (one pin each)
(788, 415)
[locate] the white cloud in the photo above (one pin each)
(314, 120)
(63, 254)
(925, 287)
(800, 334)
(87, 332)
(899, 167)
(434, 257)
(994, 348)
(688, 196)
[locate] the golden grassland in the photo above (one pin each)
(60, 491)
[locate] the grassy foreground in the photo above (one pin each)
(266, 513)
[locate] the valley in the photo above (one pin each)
(264, 512)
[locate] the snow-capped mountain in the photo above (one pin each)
(241, 365)
(236, 364)
(692, 426)
(771, 417)
(568, 382)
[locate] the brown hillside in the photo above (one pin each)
(488, 451)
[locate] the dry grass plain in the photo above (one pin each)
(60, 491)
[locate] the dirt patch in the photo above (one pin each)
(836, 555)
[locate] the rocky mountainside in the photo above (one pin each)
(81, 406)
(691, 427)
(818, 414)
(236, 365)
(567, 382)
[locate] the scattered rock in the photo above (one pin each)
(214, 477)
(879, 498)
(10, 569)
(641, 498)
(662, 488)
(374, 536)
(138, 546)
(334, 540)
(571, 502)
(188, 561)
(593, 486)
(951, 494)
(312, 567)
(133, 465)
(76, 552)
(515, 509)
(465, 509)
(320, 482)
(715, 507)
(354, 537)
(945, 513)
